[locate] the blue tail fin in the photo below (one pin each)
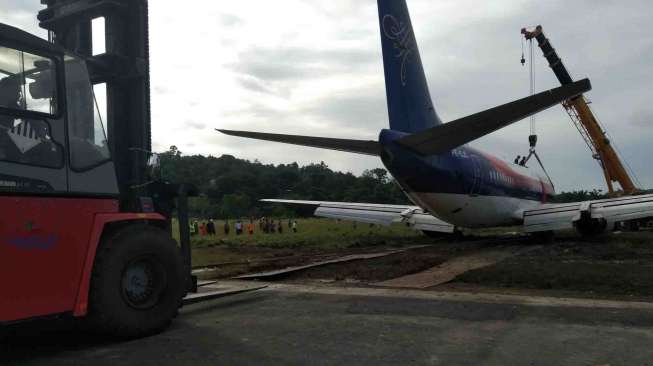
(409, 103)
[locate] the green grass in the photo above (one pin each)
(315, 233)
(314, 236)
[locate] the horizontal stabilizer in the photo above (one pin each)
(366, 147)
(442, 138)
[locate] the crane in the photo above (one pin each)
(584, 120)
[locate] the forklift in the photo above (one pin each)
(85, 218)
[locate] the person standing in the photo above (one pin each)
(239, 227)
(226, 227)
(294, 226)
(280, 227)
(210, 227)
(202, 229)
(250, 227)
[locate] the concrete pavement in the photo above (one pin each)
(299, 325)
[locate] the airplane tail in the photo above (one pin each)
(410, 107)
(409, 104)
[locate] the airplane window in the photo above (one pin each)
(27, 81)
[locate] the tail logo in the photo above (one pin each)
(400, 34)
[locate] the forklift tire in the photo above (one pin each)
(457, 234)
(137, 283)
(433, 234)
(591, 228)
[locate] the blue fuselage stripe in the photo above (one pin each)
(460, 171)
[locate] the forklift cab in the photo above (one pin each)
(56, 177)
(52, 139)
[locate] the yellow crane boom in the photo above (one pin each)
(585, 121)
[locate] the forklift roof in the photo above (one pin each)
(34, 43)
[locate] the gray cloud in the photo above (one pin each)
(354, 109)
(230, 20)
(160, 89)
(253, 84)
(288, 64)
(195, 125)
(642, 118)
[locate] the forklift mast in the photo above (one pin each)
(124, 67)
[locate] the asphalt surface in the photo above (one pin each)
(300, 325)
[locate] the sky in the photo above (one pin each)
(314, 67)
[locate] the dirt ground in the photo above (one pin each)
(393, 266)
(226, 262)
(617, 266)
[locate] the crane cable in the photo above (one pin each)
(532, 85)
(532, 138)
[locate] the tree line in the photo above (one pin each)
(231, 188)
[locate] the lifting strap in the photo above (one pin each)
(532, 152)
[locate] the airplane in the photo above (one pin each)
(452, 185)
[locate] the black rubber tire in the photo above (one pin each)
(111, 310)
(633, 226)
(591, 228)
(542, 237)
(434, 234)
(455, 235)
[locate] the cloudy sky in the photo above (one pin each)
(314, 67)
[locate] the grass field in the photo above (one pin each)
(314, 236)
(313, 232)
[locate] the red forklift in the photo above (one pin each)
(85, 221)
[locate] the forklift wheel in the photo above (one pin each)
(137, 283)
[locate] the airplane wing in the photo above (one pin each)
(372, 213)
(567, 215)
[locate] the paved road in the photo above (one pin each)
(299, 325)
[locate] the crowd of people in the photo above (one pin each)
(265, 225)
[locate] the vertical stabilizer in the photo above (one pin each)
(409, 103)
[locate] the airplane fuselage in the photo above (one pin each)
(465, 186)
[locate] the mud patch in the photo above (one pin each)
(447, 271)
(620, 266)
(396, 265)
